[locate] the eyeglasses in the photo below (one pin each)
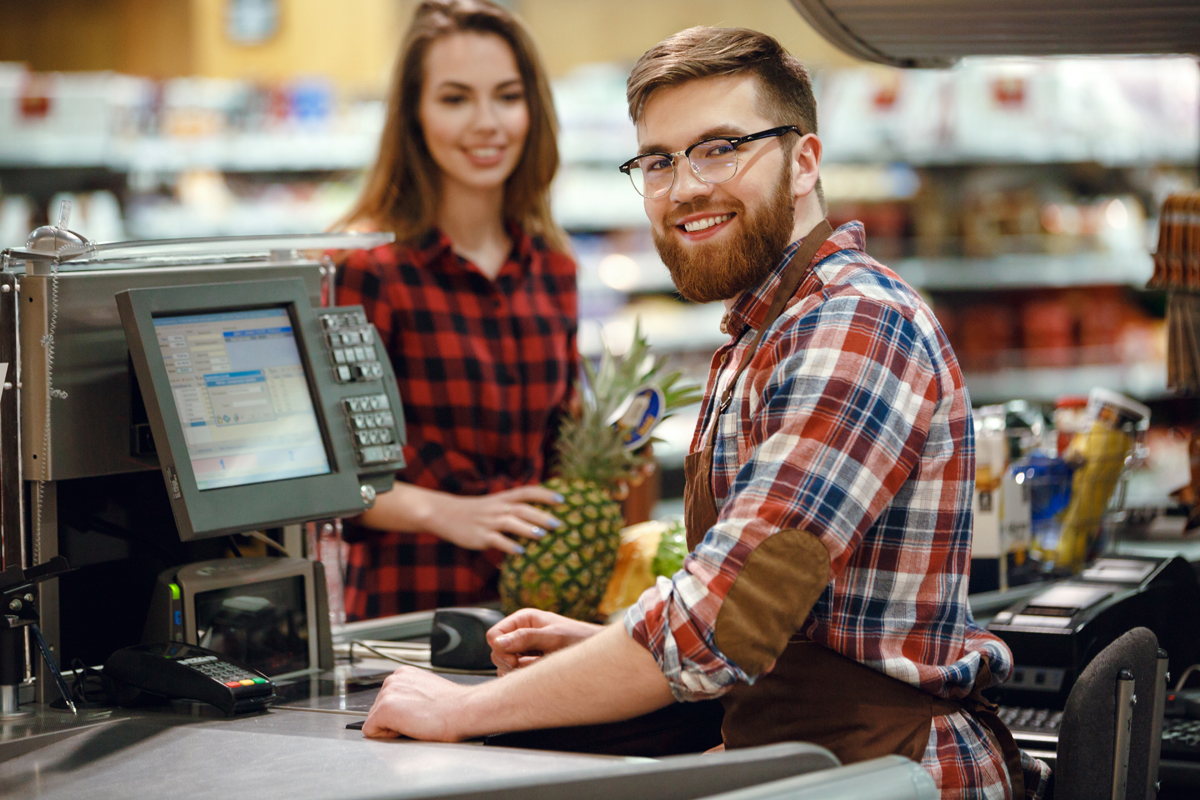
(711, 160)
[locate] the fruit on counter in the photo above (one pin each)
(648, 550)
(567, 570)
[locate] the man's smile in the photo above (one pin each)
(695, 227)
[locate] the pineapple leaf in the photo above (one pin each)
(588, 448)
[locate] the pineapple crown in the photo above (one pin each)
(588, 446)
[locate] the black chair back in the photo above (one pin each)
(1100, 729)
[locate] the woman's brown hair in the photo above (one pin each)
(401, 189)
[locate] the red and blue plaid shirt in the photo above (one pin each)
(852, 423)
(484, 368)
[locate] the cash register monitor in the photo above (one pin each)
(253, 408)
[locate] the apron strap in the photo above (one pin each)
(788, 283)
(985, 712)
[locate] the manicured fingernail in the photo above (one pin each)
(558, 498)
(553, 523)
(519, 548)
(536, 531)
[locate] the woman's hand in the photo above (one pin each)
(478, 523)
(522, 638)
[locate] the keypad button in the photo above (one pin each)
(339, 356)
(343, 374)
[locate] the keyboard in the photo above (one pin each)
(1180, 736)
(1181, 739)
(1030, 720)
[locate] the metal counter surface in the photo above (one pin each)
(191, 750)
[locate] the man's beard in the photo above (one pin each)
(718, 271)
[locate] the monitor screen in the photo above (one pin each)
(241, 396)
(264, 625)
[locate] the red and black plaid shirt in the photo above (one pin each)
(484, 367)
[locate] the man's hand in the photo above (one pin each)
(604, 678)
(522, 638)
(417, 704)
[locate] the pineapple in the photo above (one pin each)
(568, 569)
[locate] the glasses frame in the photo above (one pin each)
(734, 141)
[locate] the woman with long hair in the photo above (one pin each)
(475, 302)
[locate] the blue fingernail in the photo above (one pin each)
(536, 531)
(520, 549)
(558, 498)
(554, 523)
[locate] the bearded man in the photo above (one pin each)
(828, 496)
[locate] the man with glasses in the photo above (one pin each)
(829, 488)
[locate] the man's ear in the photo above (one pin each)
(806, 165)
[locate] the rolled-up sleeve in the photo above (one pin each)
(834, 417)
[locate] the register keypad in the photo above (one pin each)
(373, 426)
(351, 343)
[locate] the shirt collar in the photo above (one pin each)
(750, 308)
(435, 244)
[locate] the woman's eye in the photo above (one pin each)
(453, 99)
(512, 97)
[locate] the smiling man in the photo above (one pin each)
(828, 499)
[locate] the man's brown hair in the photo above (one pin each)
(785, 93)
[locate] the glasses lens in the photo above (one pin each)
(652, 175)
(714, 161)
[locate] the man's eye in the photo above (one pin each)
(657, 164)
(715, 149)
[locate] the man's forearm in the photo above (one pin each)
(605, 678)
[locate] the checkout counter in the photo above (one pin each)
(160, 396)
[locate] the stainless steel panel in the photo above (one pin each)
(935, 33)
(89, 428)
(301, 755)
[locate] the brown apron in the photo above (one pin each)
(813, 694)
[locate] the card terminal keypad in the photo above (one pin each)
(223, 672)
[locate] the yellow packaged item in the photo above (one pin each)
(1101, 451)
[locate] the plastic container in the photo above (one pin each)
(1048, 479)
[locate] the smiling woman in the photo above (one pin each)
(476, 303)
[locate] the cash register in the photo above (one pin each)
(1055, 633)
(172, 394)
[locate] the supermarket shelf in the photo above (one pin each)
(1145, 380)
(249, 152)
(682, 329)
(644, 272)
(1032, 270)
